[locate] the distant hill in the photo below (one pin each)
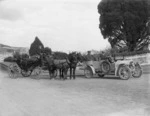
(2, 45)
(10, 49)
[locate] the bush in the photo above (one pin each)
(25, 56)
(60, 55)
(9, 59)
(47, 50)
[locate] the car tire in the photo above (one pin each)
(138, 71)
(105, 67)
(88, 72)
(124, 72)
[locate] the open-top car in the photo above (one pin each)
(122, 68)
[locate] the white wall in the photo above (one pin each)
(143, 59)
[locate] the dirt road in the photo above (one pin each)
(80, 97)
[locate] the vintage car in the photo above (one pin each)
(121, 68)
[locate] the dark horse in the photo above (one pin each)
(49, 64)
(54, 65)
(63, 67)
(73, 59)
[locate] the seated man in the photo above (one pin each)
(111, 59)
(103, 56)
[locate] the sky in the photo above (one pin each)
(62, 25)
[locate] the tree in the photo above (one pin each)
(47, 50)
(124, 22)
(60, 55)
(36, 47)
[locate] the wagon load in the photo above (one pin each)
(25, 66)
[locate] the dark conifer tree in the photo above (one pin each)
(36, 47)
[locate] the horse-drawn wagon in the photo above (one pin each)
(122, 68)
(25, 66)
(35, 65)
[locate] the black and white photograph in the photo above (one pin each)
(74, 57)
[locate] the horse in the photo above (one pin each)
(54, 65)
(48, 61)
(73, 59)
(63, 67)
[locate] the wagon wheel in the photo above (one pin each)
(12, 74)
(124, 72)
(138, 71)
(105, 67)
(37, 71)
(13, 70)
(26, 73)
(88, 72)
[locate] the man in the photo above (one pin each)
(102, 56)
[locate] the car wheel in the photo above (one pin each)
(88, 72)
(105, 67)
(124, 72)
(138, 71)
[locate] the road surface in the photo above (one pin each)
(107, 96)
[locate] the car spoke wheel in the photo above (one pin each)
(105, 67)
(88, 72)
(124, 72)
(137, 72)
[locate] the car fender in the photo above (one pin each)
(92, 69)
(117, 68)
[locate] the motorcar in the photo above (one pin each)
(124, 69)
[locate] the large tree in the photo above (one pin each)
(124, 22)
(36, 47)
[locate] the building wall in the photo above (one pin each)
(143, 59)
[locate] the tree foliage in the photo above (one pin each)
(36, 47)
(47, 50)
(60, 55)
(124, 22)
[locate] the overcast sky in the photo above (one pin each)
(62, 25)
